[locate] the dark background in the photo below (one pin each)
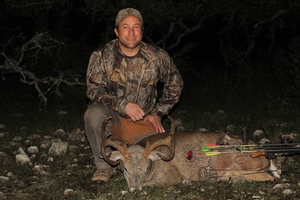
(246, 47)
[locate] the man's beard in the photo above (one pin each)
(131, 45)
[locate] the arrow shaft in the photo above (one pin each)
(215, 153)
(254, 147)
(274, 150)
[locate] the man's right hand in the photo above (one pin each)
(134, 111)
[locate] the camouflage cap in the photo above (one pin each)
(126, 13)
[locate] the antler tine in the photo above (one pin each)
(168, 141)
(103, 134)
(173, 125)
(105, 143)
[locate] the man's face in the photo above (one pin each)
(130, 33)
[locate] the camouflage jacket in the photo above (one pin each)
(116, 79)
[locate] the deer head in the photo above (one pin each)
(136, 160)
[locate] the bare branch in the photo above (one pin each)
(24, 62)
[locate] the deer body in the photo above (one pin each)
(150, 162)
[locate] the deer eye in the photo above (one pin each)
(125, 170)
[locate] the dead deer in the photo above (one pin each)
(163, 159)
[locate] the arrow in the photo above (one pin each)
(215, 153)
(285, 145)
(208, 147)
(280, 150)
(264, 147)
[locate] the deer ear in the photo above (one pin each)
(154, 155)
(116, 155)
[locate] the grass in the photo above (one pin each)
(213, 106)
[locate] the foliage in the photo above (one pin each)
(287, 71)
(203, 37)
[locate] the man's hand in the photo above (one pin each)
(134, 111)
(156, 121)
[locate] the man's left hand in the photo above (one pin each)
(156, 121)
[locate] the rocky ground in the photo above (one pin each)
(60, 166)
(29, 161)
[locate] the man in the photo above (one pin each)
(122, 80)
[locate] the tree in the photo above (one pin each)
(26, 60)
(255, 25)
(29, 54)
(244, 32)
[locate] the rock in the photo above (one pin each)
(33, 150)
(41, 185)
(50, 159)
(74, 149)
(33, 137)
(2, 134)
(68, 192)
(17, 139)
(288, 192)
(58, 148)
(2, 154)
(21, 151)
(281, 185)
(4, 178)
(48, 137)
(258, 133)
(10, 174)
(41, 169)
(23, 159)
(83, 139)
(264, 141)
(27, 142)
(256, 197)
(179, 125)
(45, 144)
(132, 189)
(124, 192)
(32, 156)
(75, 134)
(59, 133)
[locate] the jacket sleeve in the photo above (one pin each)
(172, 85)
(97, 85)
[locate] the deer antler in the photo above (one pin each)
(107, 142)
(168, 141)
